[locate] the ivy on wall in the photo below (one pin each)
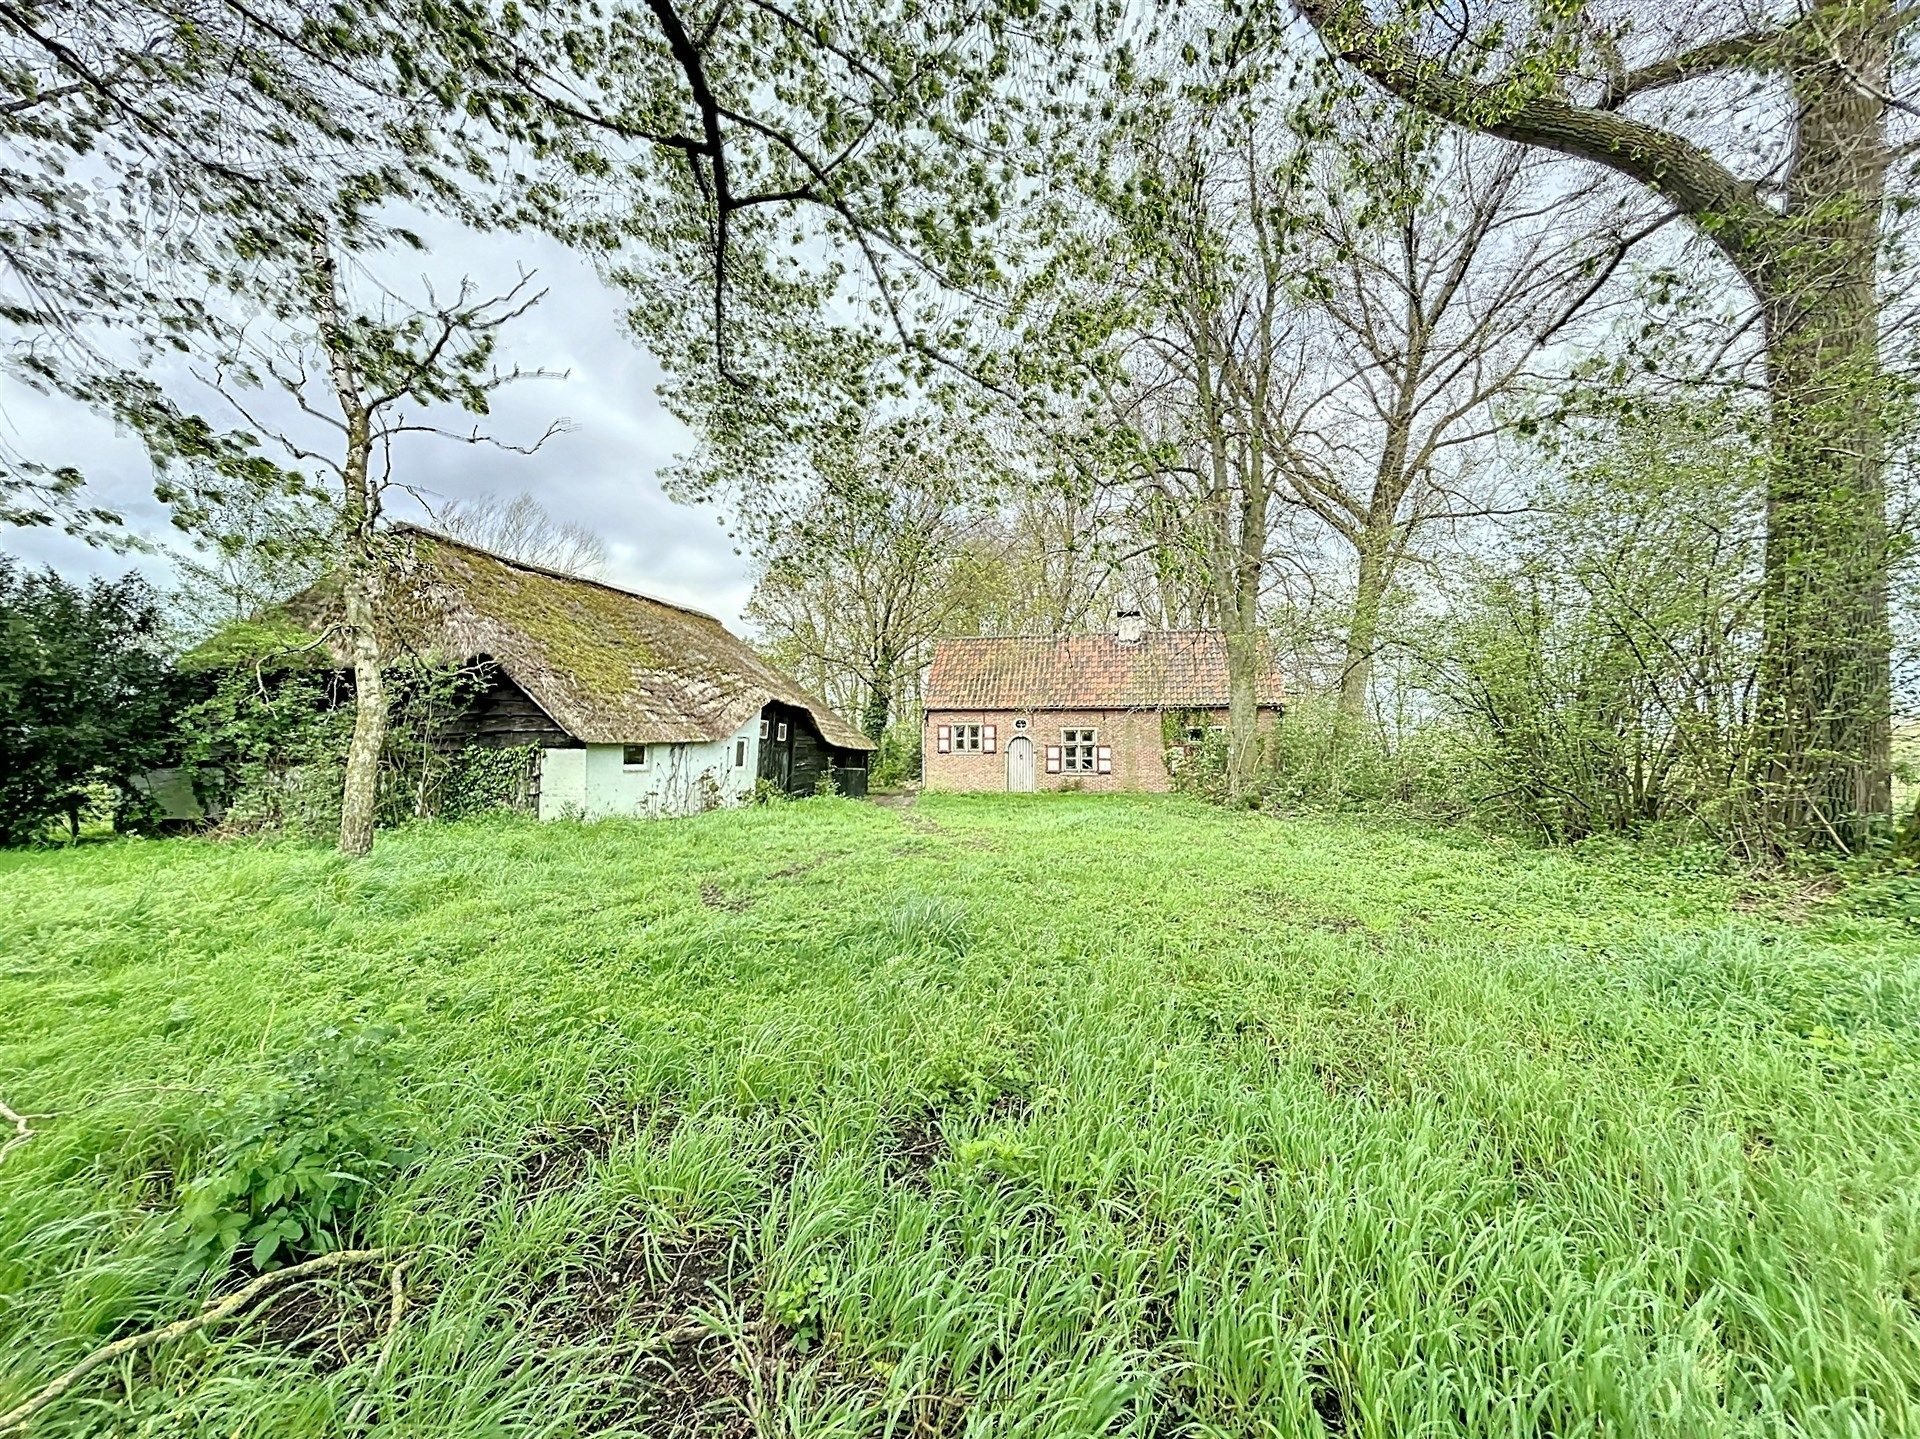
(481, 778)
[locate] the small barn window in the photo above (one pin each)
(1020, 725)
(966, 738)
(765, 725)
(1076, 750)
(783, 732)
(633, 756)
(739, 754)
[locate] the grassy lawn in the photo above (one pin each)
(1059, 1116)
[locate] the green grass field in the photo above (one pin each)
(1064, 1116)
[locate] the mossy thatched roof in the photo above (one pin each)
(611, 666)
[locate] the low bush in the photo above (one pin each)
(293, 1162)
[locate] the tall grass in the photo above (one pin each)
(1041, 1117)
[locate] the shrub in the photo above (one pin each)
(897, 761)
(293, 1162)
(268, 751)
(86, 697)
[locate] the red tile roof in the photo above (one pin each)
(1167, 669)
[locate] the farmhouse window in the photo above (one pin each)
(739, 754)
(1020, 724)
(633, 756)
(1077, 750)
(966, 739)
(943, 738)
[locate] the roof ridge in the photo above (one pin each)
(412, 527)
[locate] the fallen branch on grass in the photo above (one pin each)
(394, 1314)
(215, 1312)
(674, 1338)
(22, 1131)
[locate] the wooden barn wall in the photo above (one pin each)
(501, 716)
(798, 764)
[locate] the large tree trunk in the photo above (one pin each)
(1245, 648)
(1825, 691)
(1243, 712)
(361, 574)
(878, 709)
(1363, 628)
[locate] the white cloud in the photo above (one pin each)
(603, 473)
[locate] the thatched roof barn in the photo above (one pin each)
(608, 665)
(637, 704)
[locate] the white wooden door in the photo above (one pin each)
(1020, 763)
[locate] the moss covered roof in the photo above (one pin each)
(611, 666)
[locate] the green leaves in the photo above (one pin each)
(86, 695)
(296, 1159)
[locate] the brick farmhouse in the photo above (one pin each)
(1095, 712)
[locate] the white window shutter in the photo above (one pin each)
(986, 738)
(1053, 759)
(1103, 756)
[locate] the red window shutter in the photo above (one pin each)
(986, 738)
(1103, 757)
(943, 738)
(1053, 759)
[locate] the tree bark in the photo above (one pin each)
(1363, 628)
(1825, 691)
(878, 709)
(359, 794)
(1245, 659)
(361, 574)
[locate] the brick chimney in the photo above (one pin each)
(1129, 627)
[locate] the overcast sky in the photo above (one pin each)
(603, 473)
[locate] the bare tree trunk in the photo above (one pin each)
(360, 792)
(1244, 645)
(878, 709)
(1363, 629)
(361, 580)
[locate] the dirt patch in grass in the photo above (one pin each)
(329, 1323)
(714, 897)
(687, 1314)
(659, 1285)
(909, 1150)
(799, 867)
(1328, 1402)
(646, 1301)
(1794, 903)
(558, 1156)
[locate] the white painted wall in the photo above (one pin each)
(593, 783)
(563, 783)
